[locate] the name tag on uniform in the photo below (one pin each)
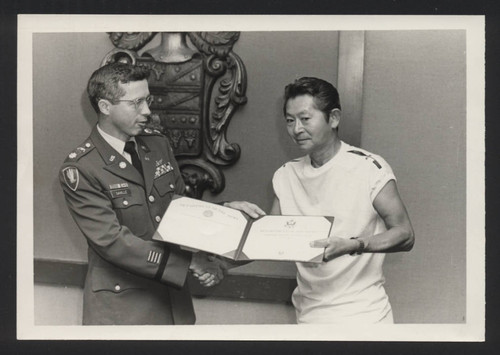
(119, 190)
(119, 193)
(121, 185)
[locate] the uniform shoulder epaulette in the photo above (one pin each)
(80, 151)
(360, 153)
(151, 132)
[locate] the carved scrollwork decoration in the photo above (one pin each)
(130, 40)
(120, 55)
(187, 108)
(220, 60)
(232, 94)
(199, 175)
(218, 43)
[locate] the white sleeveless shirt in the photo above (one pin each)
(349, 288)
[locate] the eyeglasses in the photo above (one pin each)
(140, 101)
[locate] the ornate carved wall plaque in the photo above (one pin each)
(185, 108)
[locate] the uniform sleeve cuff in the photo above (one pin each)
(176, 268)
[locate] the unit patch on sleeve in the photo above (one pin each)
(71, 177)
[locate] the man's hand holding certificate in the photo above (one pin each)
(228, 232)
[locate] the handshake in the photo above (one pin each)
(208, 269)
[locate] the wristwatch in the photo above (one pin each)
(361, 247)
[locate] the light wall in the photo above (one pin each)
(414, 116)
(62, 119)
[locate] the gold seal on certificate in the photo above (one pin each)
(227, 232)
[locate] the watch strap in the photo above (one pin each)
(361, 247)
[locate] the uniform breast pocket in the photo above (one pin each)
(132, 211)
(165, 184)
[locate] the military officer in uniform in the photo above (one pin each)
(117, 185)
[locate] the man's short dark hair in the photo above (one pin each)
(325, 95)
(103, 84)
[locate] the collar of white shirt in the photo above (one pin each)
(116, 143)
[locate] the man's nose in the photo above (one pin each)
(297, 127)
(145, 109)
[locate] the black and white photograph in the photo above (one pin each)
(251, 177)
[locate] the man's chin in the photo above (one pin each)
(304, 146)
(136, 131)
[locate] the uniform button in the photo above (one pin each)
(172, 186)
(151, 198)
(117, 287)
(158, 219)
(87, 145)
(125, 203)
(123, 165)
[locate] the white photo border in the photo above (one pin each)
(472, 330)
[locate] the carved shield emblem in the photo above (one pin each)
(178, 90)
(71, 177)
(197, 86)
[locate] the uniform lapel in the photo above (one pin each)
(115, 162)
(148, 160)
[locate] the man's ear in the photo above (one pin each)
(334, 118)
(104, 106)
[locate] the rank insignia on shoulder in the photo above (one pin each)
(78, 152)
(71, 177)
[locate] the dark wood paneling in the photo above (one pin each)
(60, 272)
(245, 287)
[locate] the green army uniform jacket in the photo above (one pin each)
(131, 279)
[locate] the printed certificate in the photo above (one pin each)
(227, 232)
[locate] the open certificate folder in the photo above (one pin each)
(227, 232)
